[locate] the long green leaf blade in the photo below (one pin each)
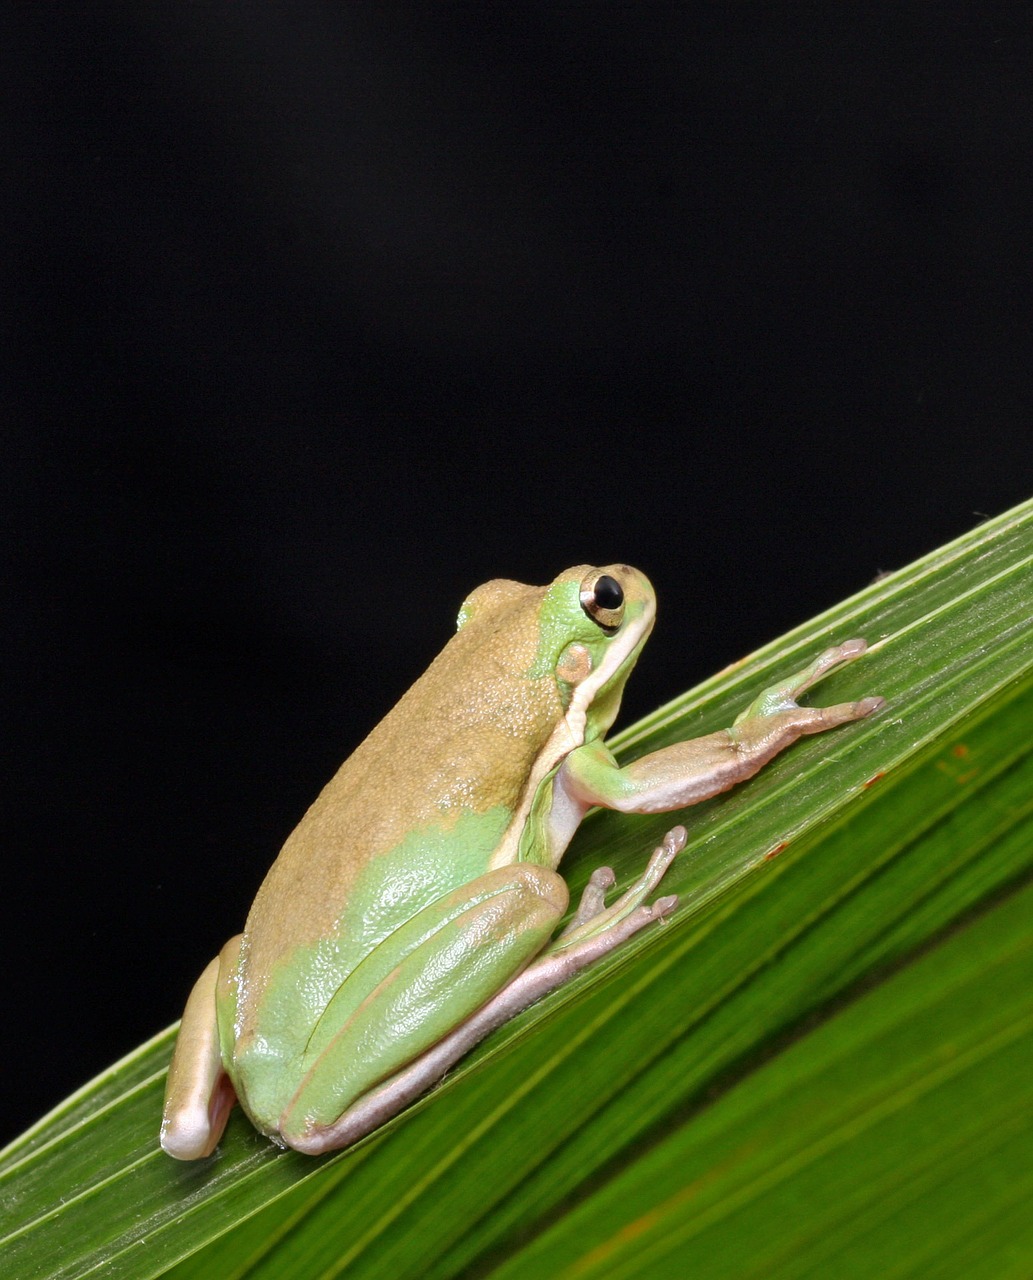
(823, 1124)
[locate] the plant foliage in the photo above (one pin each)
(820, 1065)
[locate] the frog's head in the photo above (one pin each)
(593, 623)
(572, 643)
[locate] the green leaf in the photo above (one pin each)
(820, 1065)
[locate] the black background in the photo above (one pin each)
(318, 316)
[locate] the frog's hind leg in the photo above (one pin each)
(198, 1094)
(410, 994)
(599, 930)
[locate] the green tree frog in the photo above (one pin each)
(414, 907)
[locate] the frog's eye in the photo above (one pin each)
(602, 598)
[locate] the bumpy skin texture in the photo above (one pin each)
(410, 912)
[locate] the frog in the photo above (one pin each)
(417, 906)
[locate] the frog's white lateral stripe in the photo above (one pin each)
(570, 734)
(617, 654)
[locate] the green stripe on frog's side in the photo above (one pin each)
(410, 911)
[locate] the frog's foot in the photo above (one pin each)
(783, 697)
(198, 1093)
(593, 916)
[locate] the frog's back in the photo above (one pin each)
(419, 807)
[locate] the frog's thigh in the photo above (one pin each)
(459, 966)
(198, 1094)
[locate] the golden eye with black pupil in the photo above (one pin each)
(602, 598)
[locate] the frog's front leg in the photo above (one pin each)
(687, 772)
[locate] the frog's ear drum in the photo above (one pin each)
(602, 598)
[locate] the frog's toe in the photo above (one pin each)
(593, 897)
(828, 660)
(818, 719)
(664, 906)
